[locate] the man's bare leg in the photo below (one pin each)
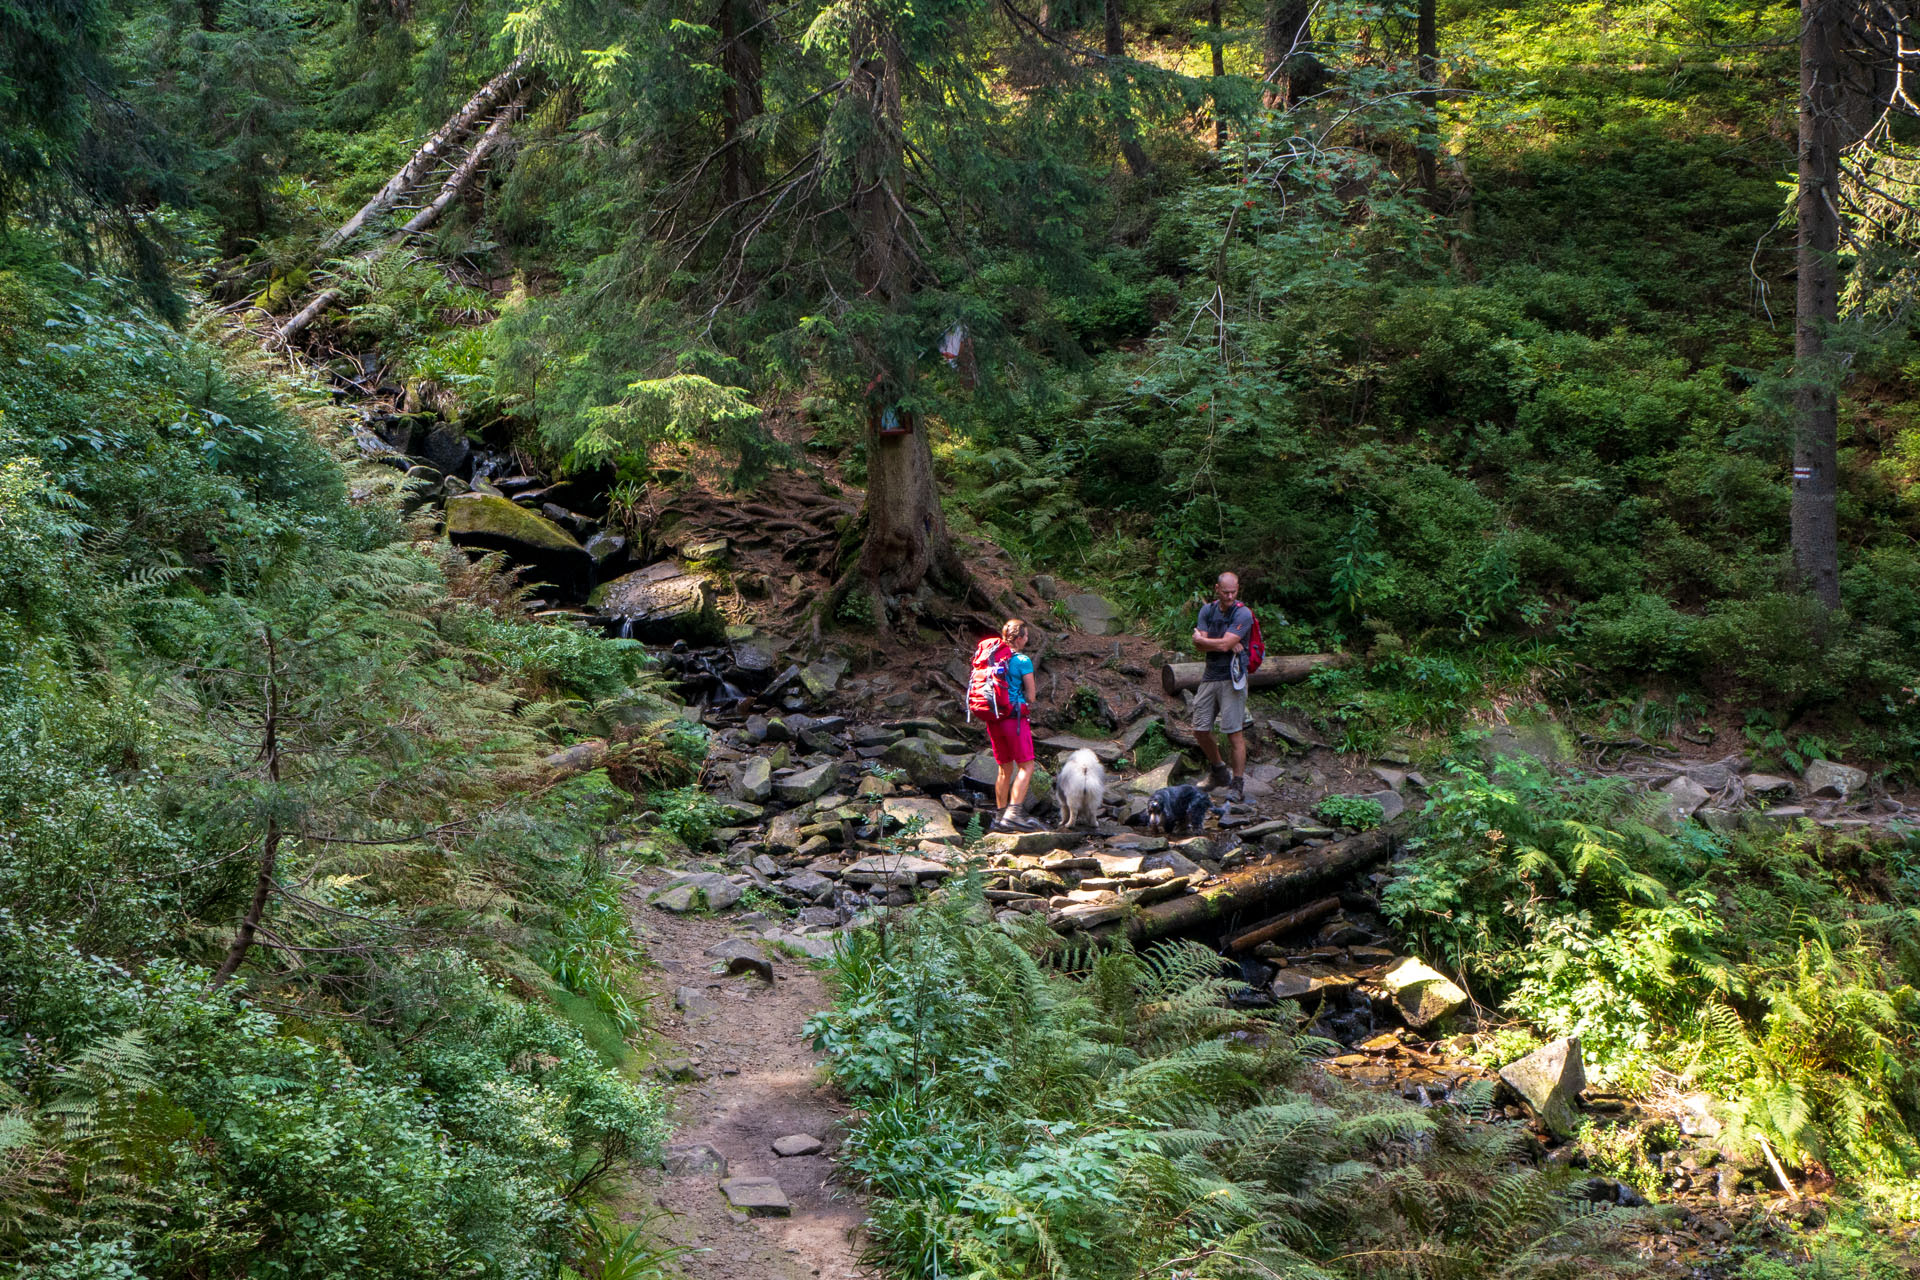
(1208, 747)
(1238, 741)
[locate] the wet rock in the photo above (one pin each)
(936, 822)
(660, 604)
(1423, 995)
(757, 1197)
(796, 1144)
(1549, 1080)
(447, 448)
(755, 784)
(485, 523)
(1092, 614)
(1837, 781)
(694, 1158)
(808, 784)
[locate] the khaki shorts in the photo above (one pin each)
(1218, 700)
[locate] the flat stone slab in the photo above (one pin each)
(797, 1144)
(936, 822)
(1025, 843)
(808, 884)
(1107, 752)
(757, 1197)
(882, 867)
(1549, 1081)
(808, 784)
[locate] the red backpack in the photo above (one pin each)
(1256, 647)
(987, 691)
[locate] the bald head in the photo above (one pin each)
(1226, 588)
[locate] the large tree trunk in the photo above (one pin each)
(1429, 69)
(435, 149)
(1292, 71)
(906, 538)
(1816, 480)
(1219, 73)
(742, 33)
(1122, 87)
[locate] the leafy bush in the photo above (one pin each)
(1357, 812)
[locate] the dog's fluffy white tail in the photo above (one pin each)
(1082, 788)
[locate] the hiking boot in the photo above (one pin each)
(1238, 791)
(1218, 776)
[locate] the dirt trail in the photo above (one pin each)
(749, 1079)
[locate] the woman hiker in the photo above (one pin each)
(1001, 694)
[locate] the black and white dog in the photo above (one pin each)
(1173, 810)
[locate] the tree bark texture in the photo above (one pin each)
(742, 26)
(431, 153)
(1816, 480)
(270, 846)
(1290, 877)
(906, 538)
(1284, 668)
(1428, 40)
(1219, 72)
(1116, 50)
(1292, 71)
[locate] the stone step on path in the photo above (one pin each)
(750, 1187)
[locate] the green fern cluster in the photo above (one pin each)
(1030, 1110)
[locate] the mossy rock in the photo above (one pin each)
(488, 523)
(660, 603)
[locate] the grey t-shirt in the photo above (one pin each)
(1214, 623)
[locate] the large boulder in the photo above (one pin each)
(1549, 1081)
(925, 765)
(707, 889)
(486, 523)
(660, 603)
(1092, 614)
(1679, 800)
(1838, 781)
(1422, 994)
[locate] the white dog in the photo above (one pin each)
(1081, 787)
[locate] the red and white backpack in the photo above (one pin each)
(988, 694)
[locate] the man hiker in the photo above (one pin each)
(1221, 700)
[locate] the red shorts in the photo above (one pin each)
(1011, 740)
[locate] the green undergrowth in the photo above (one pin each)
(1027, 1110)
(211, 651)
(1776, 972)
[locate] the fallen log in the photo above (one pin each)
(455, 185)
(1284, 668)
(1285, 922)
(1258, 888)
(430, 154)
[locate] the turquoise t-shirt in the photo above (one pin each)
(1019, 667)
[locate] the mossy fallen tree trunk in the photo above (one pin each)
(1284, 668)
(1260, 888)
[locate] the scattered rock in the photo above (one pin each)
(1422, 994)
(1549, 1081)
(1838, 781)
(1023, 844)
(808, 884)
(694, 1158)
(1767, 784)
(702, 888)
(694, 1004)
(1161, 775)
(881, 868)
(733, 949)
(925, 765)
(755, 783)
(808, 784)
(1108, 752)
(1683, 796)
(1092, 614)
(1391, 805)
(823, 677)
(796, 1144)
(757, 1197)
(936, 822)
